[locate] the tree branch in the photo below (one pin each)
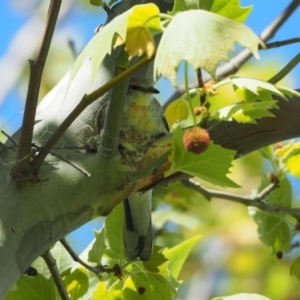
(36, 71)
(51, 264)
(98, 269)
(255, 201)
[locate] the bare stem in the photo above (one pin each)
(255, 201)
(51, 264)
(98, 269)
(286, 70)
(36, 71)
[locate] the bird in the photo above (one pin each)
(142, 123)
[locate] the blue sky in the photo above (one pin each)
(83, 23)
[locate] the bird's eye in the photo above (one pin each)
(134, 87)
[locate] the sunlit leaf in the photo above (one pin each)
(102, 43)
(290, 155)
(243, 297)
(201, 38)
(76, 282)
(147, 287)
(157, 258)
(212, 165)
(230, 9)
(179, 253)
(258, 89)
(176, 111)
(246, 112)
(101, 292)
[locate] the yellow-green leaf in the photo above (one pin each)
(230, 9)
(76, 282)
(178, 254)
(138, 41)
(147, 286)
(201, 38)
(291, 158)
(295, 268)
(103, 42)
(101, 292)
(176, 111)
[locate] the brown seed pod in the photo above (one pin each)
(197, 111)
(196, 140)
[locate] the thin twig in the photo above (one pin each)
(10, 138)
(285, 70)
(36, 71)
(201, 85)
(98, 269)
(255, 201)
(81, 170)
(282, 43)
(86, 100)
(51, 264)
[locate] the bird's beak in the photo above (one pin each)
(151, 90)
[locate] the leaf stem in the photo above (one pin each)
(286, 70)
(186, 83)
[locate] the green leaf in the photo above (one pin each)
(96, 252)
(177, 111)
(63, 261)
(282, 196)
(205, 40)
(211, 165)
(33, 288)
(250, 89)
(273, 230)
(147, 287)
(76, 282)
(247, 112)
(157, 258)
(290, 155)
(243, 297)
(114, 231)
(102, 43)
(97, 2)
(178, 255)
(295, 268)
(230, 9)
(101, 292)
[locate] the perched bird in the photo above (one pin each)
(142, 123)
